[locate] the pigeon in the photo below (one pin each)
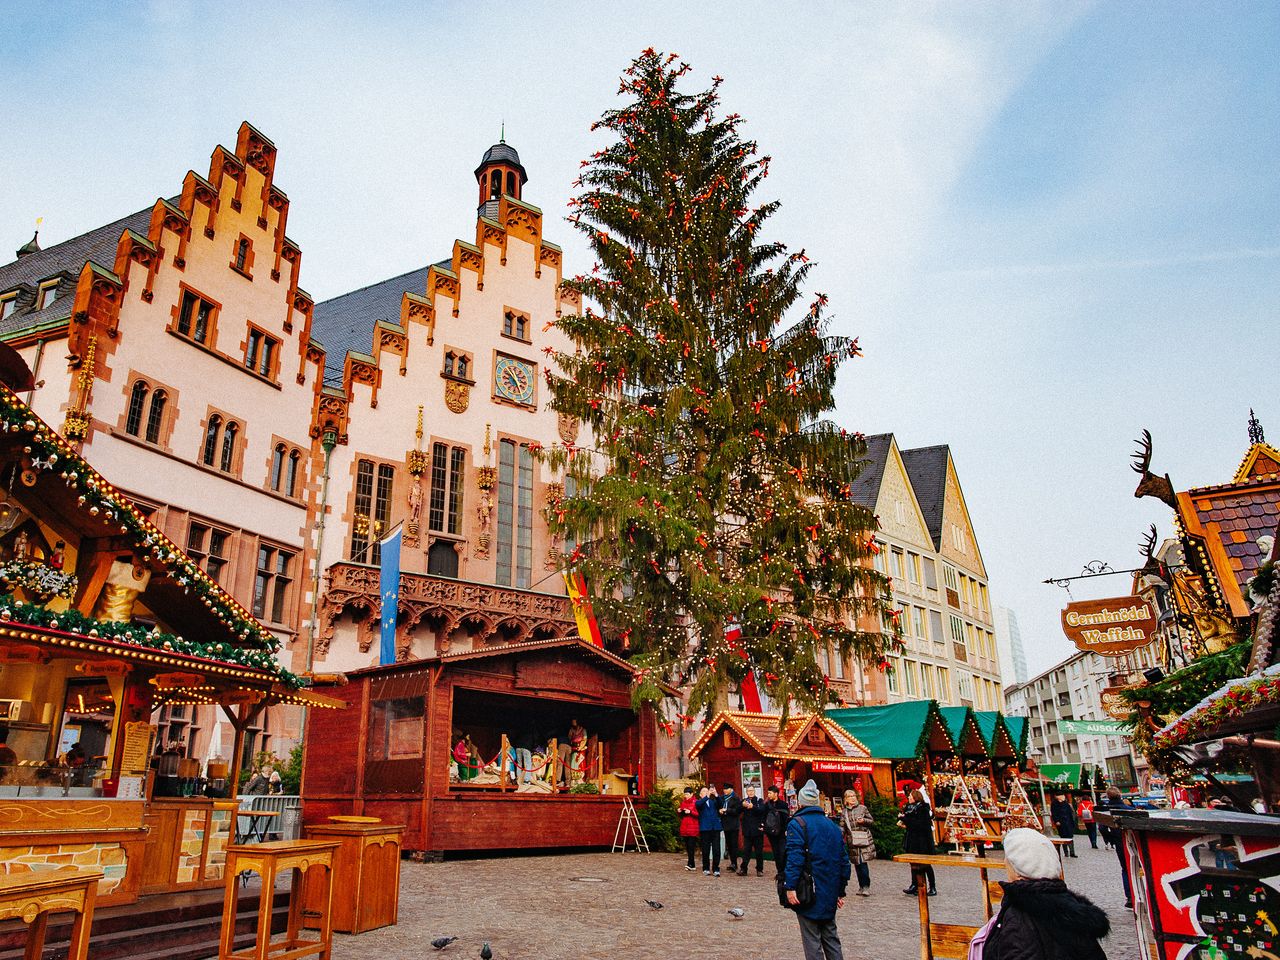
(737, 913)
(441, 942)
(654, 904)
(485, 952)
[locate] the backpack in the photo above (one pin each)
(775, 822)
(805, 890)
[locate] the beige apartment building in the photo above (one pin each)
(930, 550)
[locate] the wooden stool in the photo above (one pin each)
(366, 870)
(269, 860)
(31, 897)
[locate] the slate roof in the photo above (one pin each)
(67, 257)
(1238, 514)
(866, 488)
(927, 469)
(503, 153)
(346, 322)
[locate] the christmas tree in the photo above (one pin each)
(716, 493)
(1019, 811)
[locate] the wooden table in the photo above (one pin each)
(366, 873)
(31, 897)
(261, 817)
(269, 860)
(949, 940)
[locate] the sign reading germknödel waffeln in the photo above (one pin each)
(1111, 627)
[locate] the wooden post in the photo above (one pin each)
(922, 897)
(504, 747)
(599, 765)
(553, 762)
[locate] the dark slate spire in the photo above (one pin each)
(31, 246)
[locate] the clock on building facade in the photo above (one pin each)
(513, 380)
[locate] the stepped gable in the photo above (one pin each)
(865, 490)
(927, 468)
(346, 323)
(62, 259)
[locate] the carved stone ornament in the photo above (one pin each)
(568, 427)
(486, 477)
(457, 396)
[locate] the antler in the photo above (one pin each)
(1148, 543)
(1142, 456)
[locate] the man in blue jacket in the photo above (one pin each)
(828, 861)
(709, 826)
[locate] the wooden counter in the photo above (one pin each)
(366, 875)
(102, 833)
(187, 843)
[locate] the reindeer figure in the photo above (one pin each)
(1150, 485)
(1152, 567)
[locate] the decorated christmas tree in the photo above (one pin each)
(1019, 811)
(964, 818)
(711, 516)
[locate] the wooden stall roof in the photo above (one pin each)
(776, 739)
(574, 645)
(60, 488)
(996, 735)
(1017, 727)
(896, 731)
(962, 724)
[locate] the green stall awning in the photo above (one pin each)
(1017, 727)
(962, 725)
(895, 731)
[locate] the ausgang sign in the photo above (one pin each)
(1110, 627)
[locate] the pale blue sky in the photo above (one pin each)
(1052, 224)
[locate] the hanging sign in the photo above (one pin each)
(1097, 728)
(1114, 705)
(1111, 627)
(840, 766)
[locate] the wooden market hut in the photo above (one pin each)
(911, 735)
(761, 750)
(103, 620)
(1002, 752)
(1017, 728)
(388, 751)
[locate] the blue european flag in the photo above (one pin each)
(389, 588)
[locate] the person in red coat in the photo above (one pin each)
(689, 826)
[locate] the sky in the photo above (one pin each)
(1051, 224)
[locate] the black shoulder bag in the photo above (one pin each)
(804, 889)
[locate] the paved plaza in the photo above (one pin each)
(592, 906)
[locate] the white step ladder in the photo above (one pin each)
(629, 831)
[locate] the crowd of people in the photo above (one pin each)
(817, 854)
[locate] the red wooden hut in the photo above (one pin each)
(757, 749)
(388, 752)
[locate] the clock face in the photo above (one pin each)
(514, 380)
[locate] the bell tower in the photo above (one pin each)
(500, 172)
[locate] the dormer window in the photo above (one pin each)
(515, 325)
(47, 294)
(8, 304)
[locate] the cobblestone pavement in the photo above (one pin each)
(533, 907)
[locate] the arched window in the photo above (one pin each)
(242, 253)
(211, 440)
(137, 400)
(442, 559)
(277, 465)
(156, 416)
(229, 445)
(448, 363)
(462, 367)
(495, 189)
(511, 183)
(291, 483)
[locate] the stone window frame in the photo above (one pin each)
(289, 450)
(238, 445)
(168, 418)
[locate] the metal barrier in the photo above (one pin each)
(288, 826)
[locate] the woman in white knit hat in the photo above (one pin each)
(1039, 918)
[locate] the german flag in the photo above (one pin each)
(588, 628)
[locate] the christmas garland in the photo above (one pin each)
(1236, 699)
(47, 451)
(73, 621)
(38, 578)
